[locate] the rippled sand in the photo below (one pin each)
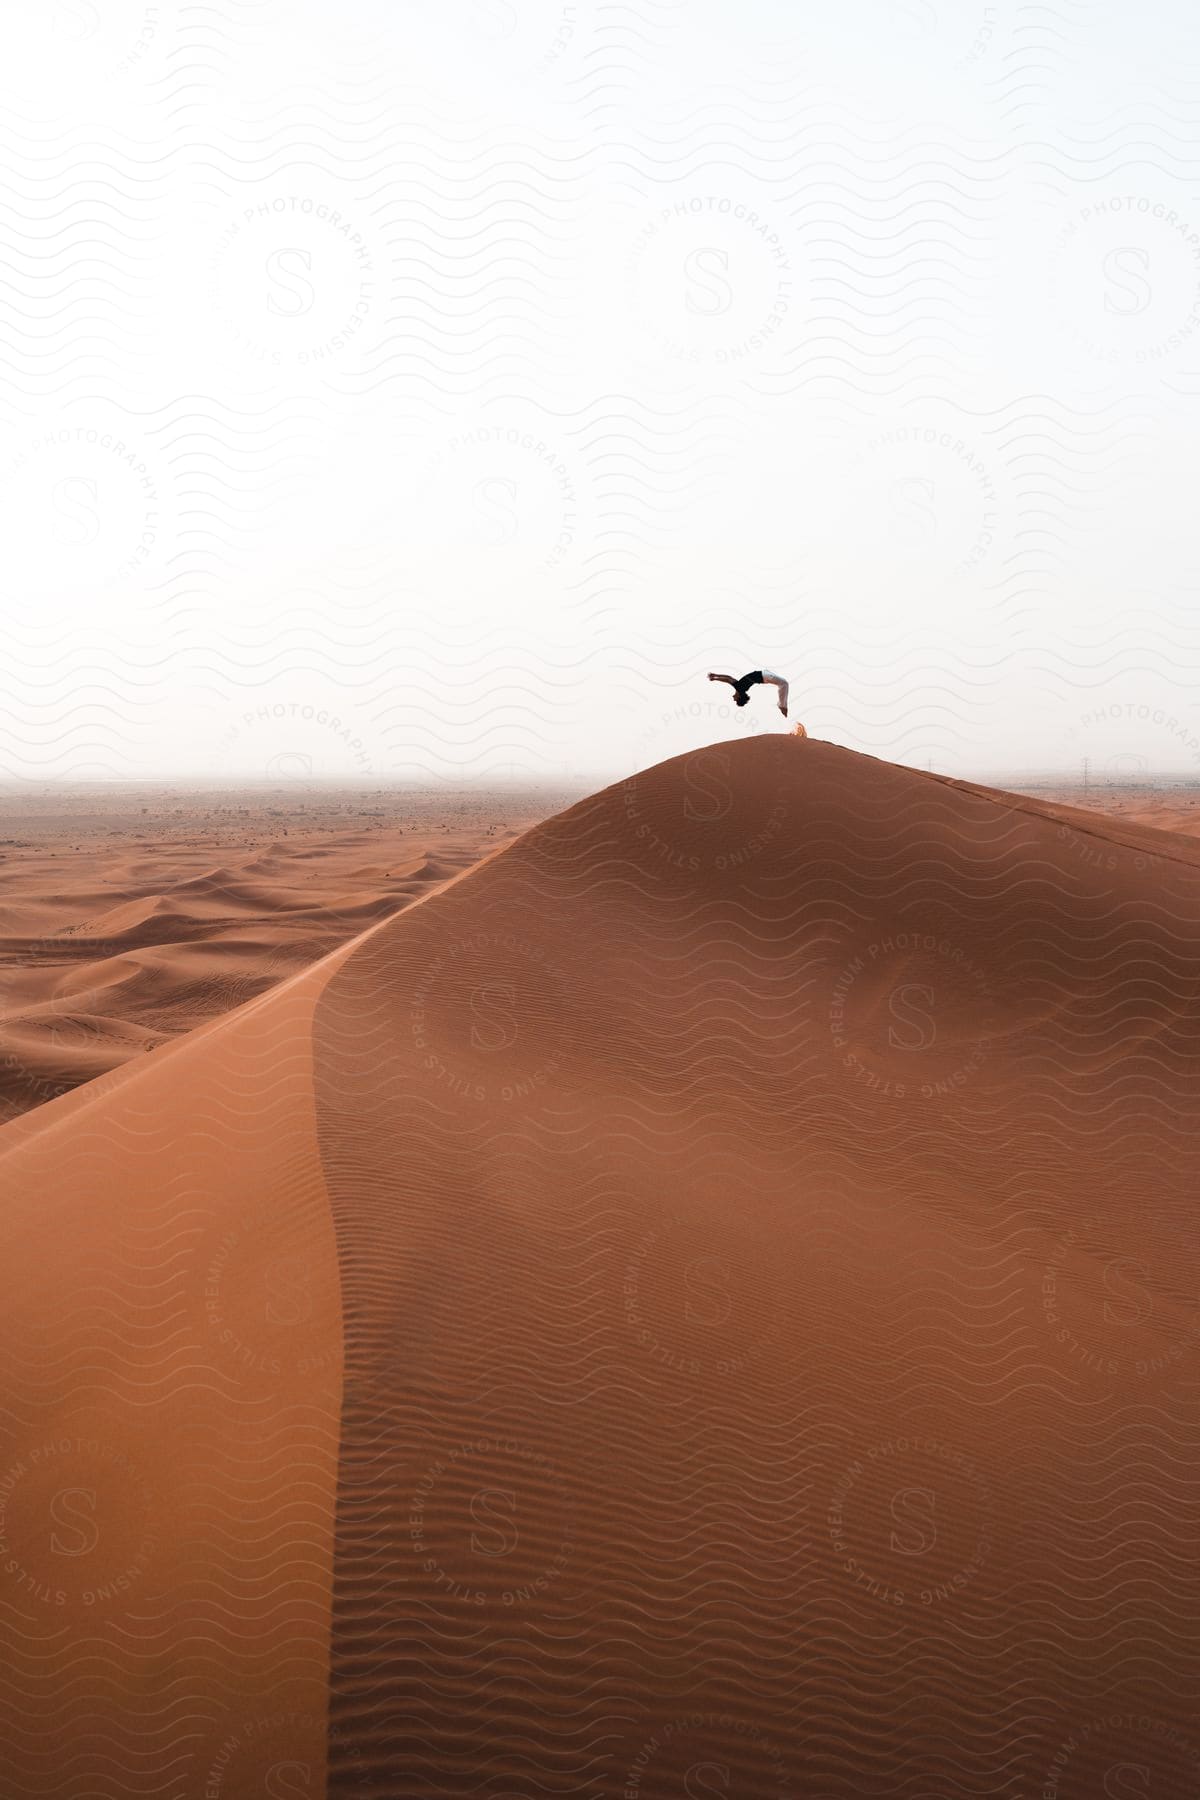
(702, 1303)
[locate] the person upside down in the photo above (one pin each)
(742, 684)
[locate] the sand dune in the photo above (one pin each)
(152, 945)
(703, 1303)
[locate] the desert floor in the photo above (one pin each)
(130, 915)
(702, 1301)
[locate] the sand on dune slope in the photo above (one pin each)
(754, 1220)
(170, 1356)
(113, 942)
(764, 1199)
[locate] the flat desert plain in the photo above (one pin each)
(698, 1299)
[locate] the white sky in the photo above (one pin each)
(440, 389)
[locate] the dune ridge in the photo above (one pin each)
(121, 942)
(861, 1466)
(750, 1331)
(172, 1346)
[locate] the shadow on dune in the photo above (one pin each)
(703, 1304)
(763, 1200)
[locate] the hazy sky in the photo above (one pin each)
(441, 389)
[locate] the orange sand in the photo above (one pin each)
(703, 1303)
(140, 915)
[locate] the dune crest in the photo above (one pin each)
(735, 1183)
(752, 1337)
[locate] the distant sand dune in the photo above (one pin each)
(155, 945)
(706, 1302)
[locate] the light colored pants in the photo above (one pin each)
(778, 682)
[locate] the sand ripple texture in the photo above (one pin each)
(171, 1357)
(763, 1199)
(702, 1304)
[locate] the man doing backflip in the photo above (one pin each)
(743, 683)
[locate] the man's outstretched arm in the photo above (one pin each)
(728, 678)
